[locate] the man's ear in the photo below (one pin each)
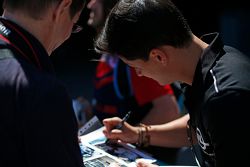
(159, 55)
(61, 8)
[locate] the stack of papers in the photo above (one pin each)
(97, 153)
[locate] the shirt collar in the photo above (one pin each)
(209, 56)
(28, 44)
(212, 52)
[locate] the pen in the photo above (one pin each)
(120, 125)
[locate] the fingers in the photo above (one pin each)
(114, 134)
(126, 134)
(109, 130)
(110, 123)
(141, 163)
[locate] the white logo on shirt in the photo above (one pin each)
(205, 146)
(202, 143)
(4, 30)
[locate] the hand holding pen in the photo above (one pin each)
(124, 119)
(125, 131)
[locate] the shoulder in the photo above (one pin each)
(230, 72)
(26, 80)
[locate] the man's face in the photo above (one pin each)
(65, 28)
(96, 16)
(150, 69)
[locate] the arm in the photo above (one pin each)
(172, 134)
(165, 109)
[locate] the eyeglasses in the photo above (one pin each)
(190, 139)
(76, 28)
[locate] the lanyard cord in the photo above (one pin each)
(190, 139)
(22, 36)
(14, 46)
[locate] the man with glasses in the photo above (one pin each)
(38, 127)
(153, 37)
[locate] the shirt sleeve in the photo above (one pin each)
(147, 89)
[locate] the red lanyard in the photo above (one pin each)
(22, 36)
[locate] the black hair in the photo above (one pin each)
(107, 6)
(134, 27)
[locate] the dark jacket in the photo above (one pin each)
(37, 123)
(218, 103)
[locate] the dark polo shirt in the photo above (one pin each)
(218, 103)
(37, 123)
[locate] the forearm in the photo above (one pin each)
(172, 134)
(165, 109)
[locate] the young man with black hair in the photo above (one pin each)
(153, 37)
(118, 89)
